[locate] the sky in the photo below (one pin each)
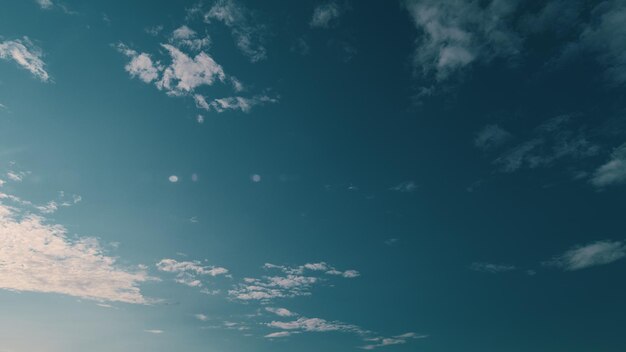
(340, 175)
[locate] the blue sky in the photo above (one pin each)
(230, 175)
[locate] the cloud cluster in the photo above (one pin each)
(294, 281)
(39, 256)
(377, 342)
(239, 103)
(25, 54)
(491, 268)
(184, 36)
(187, 272)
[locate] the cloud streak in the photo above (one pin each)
(27, 55)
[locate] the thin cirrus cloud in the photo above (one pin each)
(491, 136)
(613, 172)
(550, 142)
(590, 255)
(189, 272)
(377, 342)
(25, 54)
(491, 268)
(290, 282)
(38, 256)
(324, 15)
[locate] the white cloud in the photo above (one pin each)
(613, 171)
(456, 34)
(491, 136)
(173, 178)
(283, 312)
(248, 36)
(389, 341)
(140, 65)
(201, 317)
(38, 256)
(154, 331)
(187, 272)
(184, 36)
(324, 14)
(315, 325)
(294, 282)
(233, 103)
(45, 4)
(491, 268)
(597, 253)
(25, 54)
(16, 176)
(186, 74)
(278, 334)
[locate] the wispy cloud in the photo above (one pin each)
(154, 331)
(491, 136)
(187, 272)
(324, 15)
(45, 4)
(304, 324)
(184, 36)
(39, 256)
(247, 33)
(613, 171)
(405, 187)
(551, 141)
(233, 103)
(453, 35)
(25, 54)
(283, 312)
(593, 254)
(377, 342)
(491, 268)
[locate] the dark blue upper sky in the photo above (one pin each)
(230, 175)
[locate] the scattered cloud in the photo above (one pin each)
(551, 141)
(377, 342)
(613, 171)
(294, 281)
(491, 268)
(25, 54)
(201, 317)
(315, 325)
(187, 272)
(278, 334)
(39, 256)
(324, 15)
(173, 178)
(248, 35)
(593, 254)
(491, 136)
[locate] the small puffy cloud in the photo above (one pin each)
(593, 254)
(186, 74)
(45, 4)
(491, 136)
(324, 15)
(173, 178)
(613, 171)
(256, 178)
(282, 312)
(141, 64)
(187, 272)
(491, 268)
(25, 54)
(38, 256)
(248, 35)
(201, 317)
